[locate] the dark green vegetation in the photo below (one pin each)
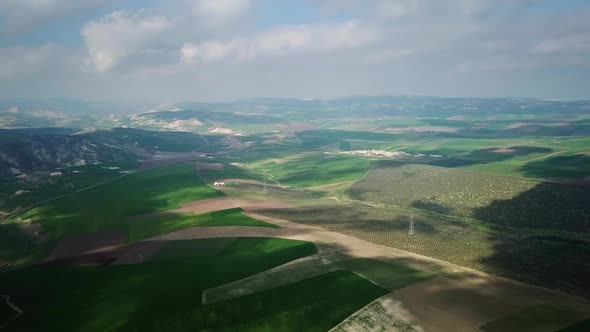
(315, 304)
(189, 248)
(13, 242)
(390, 275)
(167, 294)
(581, 326)
(107, 207)
(537, 318)
(149, 227)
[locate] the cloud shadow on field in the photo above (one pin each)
(575, 166)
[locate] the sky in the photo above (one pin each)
(215, 50)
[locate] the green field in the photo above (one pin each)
(390, 275)
(145, 228)
(40, 186)
(316, 169)
(107, 207)
(124, 297)
(315, 304)
(189, 248)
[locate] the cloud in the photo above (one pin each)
(298, 39)
(573, 43)
(220, 13)
(192, 49)
(122, 35)
(21, 16)
(20, 61)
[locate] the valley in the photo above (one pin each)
(419, 214)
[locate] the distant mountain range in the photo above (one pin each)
(200, 117)
(48, 133)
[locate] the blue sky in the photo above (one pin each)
(228, 49)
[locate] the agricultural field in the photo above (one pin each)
(492, 199)
(170, 290)
(315, 169)
(150, 227)
(106, 208)
(25, 191)
(542, 258)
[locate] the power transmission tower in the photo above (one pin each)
(411, 231)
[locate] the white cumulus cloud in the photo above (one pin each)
(120, 35)
(306, 38)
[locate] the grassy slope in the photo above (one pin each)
(124, 296)
(141, 229)
(318, 169)
(315, 304)
(105, 208)
(40, 186)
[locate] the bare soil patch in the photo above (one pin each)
(332, 186)
(217, 204)
(501, 150)
(466, 301)
(139, 252)
(32, 229)
(458, 117)
(165, 158)
(420, 129)
(552, 154)
(382, 315)
(213, 166)
(78, 246)
(102, 249)
(516, 125)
